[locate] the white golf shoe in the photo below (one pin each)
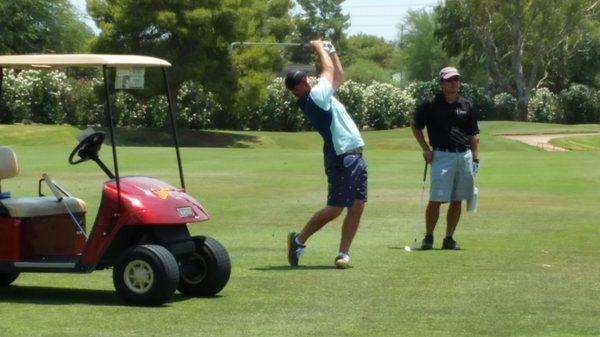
(342, 261)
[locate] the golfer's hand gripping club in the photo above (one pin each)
(328, 46)
(475, 167)
(427, 156)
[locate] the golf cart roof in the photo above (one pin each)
(54, 61)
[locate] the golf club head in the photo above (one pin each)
(329, 32)
(231, 46)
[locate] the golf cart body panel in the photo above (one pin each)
(144, 200)
(148, 200)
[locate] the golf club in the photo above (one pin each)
(414, 245)
(232, 45)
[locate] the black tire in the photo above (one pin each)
(8, 278)
(207, 271)
(146, 275)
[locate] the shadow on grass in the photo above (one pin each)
(288, 268)
(187, 138)
(58, 296)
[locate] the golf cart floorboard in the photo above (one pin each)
(54, 264)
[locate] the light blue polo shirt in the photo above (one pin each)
(331, 120)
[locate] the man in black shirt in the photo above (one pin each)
(452, 129)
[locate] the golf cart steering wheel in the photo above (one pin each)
(88, 148)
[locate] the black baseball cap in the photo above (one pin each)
(294, 77)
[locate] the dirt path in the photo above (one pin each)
(543, 141)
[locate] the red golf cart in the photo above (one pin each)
(141, 227)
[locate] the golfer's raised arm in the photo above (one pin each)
(338, 73)
(327, 69)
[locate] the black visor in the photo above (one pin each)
(293, 78)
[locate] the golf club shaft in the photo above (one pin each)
(421, 203)
(276, 44)
(55, 190)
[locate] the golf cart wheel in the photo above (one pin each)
(7, 278)
(146, 275)
(207, 271)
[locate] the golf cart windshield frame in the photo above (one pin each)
(58, 61)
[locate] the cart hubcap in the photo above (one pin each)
(195, 269)
(138, 276)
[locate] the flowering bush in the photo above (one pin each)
(386, 106)
(82, 103)
(35, 95)
(134, 112)
(15, 98)
(480, 99)
(422, 91)
(351, 94)
(197, 106)
(579, 104)
(279, 111)
(505, 106)
(542, 106)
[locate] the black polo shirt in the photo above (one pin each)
(449, 125)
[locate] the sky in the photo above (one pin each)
(373, 17)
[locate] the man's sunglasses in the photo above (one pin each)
(452, 79)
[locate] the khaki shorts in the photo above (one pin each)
(451, 176)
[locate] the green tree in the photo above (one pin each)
(366, 72)
(518, 40)
(323, 19)
(256, 66)
(194, 36)
(368, 47)
(420, 55)
(39, 26)
(191, 35)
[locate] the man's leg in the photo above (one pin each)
(452, 221)
(432, 215)
(453, 217)
(318, 220)
(350, 225)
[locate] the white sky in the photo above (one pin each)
(373, 17)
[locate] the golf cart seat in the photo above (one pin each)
(27, 207)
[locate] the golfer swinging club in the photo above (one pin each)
(342, 150)
(452, 129)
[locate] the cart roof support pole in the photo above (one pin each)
(109, 116)
(172, 111)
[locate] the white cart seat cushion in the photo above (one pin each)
(41, 206)
(8, 163)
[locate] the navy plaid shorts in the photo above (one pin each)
(347, 180)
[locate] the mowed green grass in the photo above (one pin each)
(529, 266)
(582, 143)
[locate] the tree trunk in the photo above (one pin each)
(517, 66)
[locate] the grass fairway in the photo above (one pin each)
(529, 266)
(582, 143)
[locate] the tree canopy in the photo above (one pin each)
(369, 47)
(320, 19)
(522, 43)
(40, 26)
(420, 55)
